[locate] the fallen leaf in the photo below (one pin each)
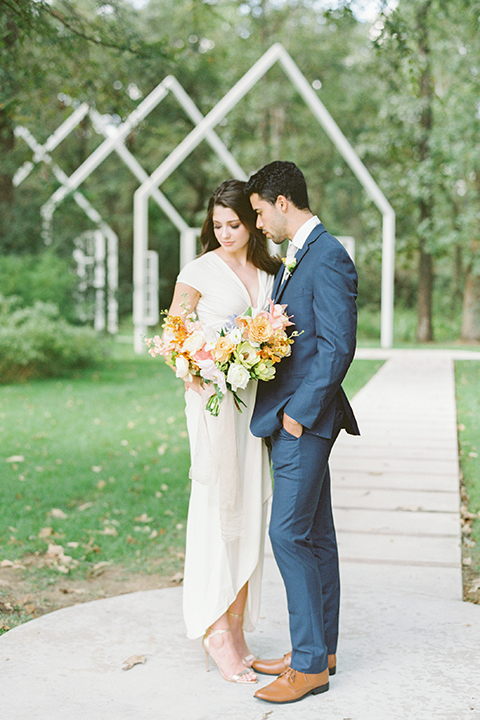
(15, 459)
(44, 533)
(467, 561)
(101, 484)
(96, 468)
(6, 563)
(153, 534)
(99, 568)
(134, 660)
(178, 577)
(475, 587)
(143, 518)
(73, 544)
(85, 506)
(162, 449)
(109, 530)
(131, 540)
(58, 514)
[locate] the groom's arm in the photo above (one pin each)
(335, 317)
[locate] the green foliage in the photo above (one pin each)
(467, 376)
(36, 342)
(43, 277)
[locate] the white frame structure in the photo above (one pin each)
(276, 53)
(115, 138)
(42, 154)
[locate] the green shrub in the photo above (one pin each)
(37, 342)
(43, 277)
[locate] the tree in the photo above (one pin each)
(426, 61)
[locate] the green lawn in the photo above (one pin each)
(467, 375)
(98, 464)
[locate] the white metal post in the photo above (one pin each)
(99, 280)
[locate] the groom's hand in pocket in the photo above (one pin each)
(292, 426)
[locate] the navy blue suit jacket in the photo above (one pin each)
(321, 295)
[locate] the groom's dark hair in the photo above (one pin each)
(280, 177)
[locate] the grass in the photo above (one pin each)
(97, 464)
(467, 376)
(446, 329)
(101, 459)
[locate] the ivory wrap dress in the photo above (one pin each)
(216, 566)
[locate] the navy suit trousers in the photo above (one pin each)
(303, 539)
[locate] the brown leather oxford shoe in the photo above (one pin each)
(292, 686)
(278, 666)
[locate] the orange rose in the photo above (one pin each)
(260, 329)
(223, 349)
(243, 323)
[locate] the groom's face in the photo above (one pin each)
(270, 219)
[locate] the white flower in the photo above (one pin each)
(290, 264)
(211, 337)
(182, 368)
(237, 376)
(235, 335)
(194, 342)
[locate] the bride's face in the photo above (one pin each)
(230, 232)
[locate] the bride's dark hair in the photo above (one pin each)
(230, 194)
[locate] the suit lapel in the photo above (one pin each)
(277, 282)
(279, 287)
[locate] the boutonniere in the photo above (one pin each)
(290, 264)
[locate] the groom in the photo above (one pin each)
(301, 411)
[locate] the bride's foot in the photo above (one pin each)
(236, 627)
(219, 645)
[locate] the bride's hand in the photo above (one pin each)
(195, 384)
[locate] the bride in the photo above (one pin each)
(230, 471)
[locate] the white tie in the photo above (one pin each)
(291, 250)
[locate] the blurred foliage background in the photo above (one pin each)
(403, 87)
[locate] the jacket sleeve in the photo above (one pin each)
(334, 285)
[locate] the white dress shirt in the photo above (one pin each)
(298, 240)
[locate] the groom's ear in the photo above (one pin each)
(282, 203)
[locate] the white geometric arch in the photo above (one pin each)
(276, 53)
(114, 141)
(42, 154)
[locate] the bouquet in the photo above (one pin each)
(249, 346)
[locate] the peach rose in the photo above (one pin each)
(223, 349)
(260, 329)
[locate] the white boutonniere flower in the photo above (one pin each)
(290, 264)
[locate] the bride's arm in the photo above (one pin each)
(185, 299)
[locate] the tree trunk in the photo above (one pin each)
(10, 33)
(7, 143)
(425, 279)
(471, 308)
(425, 288)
